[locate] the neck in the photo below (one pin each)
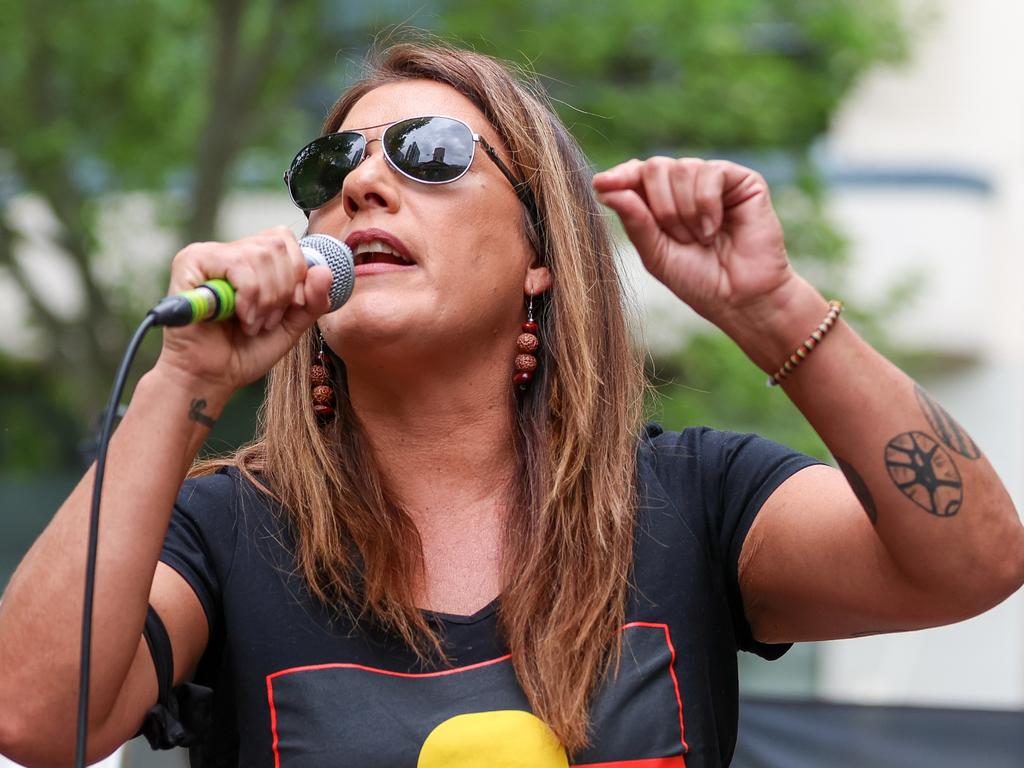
(442, 439)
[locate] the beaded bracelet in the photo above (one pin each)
(834, 308)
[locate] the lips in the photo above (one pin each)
(376, 246)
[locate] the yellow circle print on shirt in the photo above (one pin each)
(508, 738)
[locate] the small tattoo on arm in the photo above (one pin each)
(925, 473)
(860, 489)
(195, 413)
(952, 435)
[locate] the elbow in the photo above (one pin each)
(999, 574)
(1014, 578)
(13, 731)
(973, 583)
(1008, 574)
(25, 735)
(25, 746)
(29, 741)
(9, 736)
(20, 742)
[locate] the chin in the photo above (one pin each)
(373, 323)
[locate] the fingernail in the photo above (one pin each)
(707, 227)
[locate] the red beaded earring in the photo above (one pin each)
(526, 347)
(323, 392)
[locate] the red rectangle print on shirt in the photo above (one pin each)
(353, 715)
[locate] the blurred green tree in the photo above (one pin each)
(704, 74)
(186, 99)
(104, 98)
(754, 80)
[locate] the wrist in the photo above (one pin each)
(202, 399)
(770, 329)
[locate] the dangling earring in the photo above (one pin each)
(526, 346)
(323, 392)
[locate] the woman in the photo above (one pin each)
(466, 550)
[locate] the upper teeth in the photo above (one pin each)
(377, 246)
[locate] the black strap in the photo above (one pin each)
(160, 649)
(181, 715)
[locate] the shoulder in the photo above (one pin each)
(212, 516)
(225, 485)
(217, 488)
(711, 452)
(717, 477)
(223, 500)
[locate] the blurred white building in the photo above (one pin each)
(926, 170)
(930, 176)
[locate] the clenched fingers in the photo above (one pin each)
(266, 270)
(687, 197)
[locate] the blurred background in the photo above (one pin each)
(892, 132)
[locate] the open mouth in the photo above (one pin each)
(378, 252)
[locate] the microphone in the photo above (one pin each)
(215, 299)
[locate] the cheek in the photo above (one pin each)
(495, 238)
(493, 201)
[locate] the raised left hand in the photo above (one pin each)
(705, 228)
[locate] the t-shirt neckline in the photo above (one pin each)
(454, 618)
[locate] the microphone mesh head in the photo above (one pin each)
(338, 258)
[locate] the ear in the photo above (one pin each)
(538, 280)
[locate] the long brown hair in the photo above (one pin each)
(568, 538)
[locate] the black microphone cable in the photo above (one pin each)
(214, 300)
(102, 440)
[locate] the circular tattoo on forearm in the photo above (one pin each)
(952, 435)
(925, 473)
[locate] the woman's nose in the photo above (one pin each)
(370, 185)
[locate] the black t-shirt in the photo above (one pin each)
(295, 687)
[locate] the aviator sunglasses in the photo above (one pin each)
(430, 149)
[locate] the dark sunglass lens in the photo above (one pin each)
(430, 148)
(320, 168)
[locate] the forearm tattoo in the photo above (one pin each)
(952, 435)
(925, 473)
(195, 413)
(860, 489)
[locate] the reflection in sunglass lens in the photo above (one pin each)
(432, 149)
(320, 168)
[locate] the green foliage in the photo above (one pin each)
(186, 99)
(708, 383)
(703, 74)
(758, 78)
(99, 86)
(36, 429)
(164, 96)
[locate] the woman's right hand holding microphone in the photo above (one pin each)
(277, 297)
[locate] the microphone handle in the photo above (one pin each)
(212, 301)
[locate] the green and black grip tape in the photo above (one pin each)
(213, 300)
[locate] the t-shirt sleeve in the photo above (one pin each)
(736, 473)
(744, 470)
(200, 540)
